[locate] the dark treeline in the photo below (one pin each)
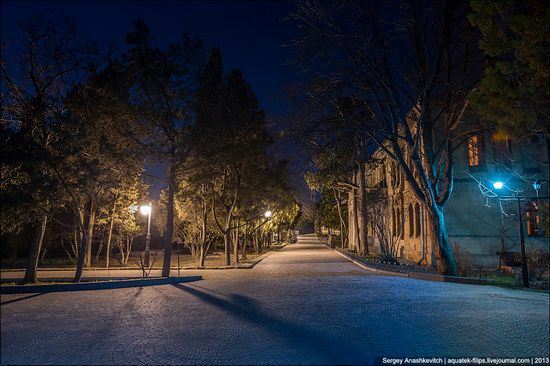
(79, 125)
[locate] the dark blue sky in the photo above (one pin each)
(249, 33)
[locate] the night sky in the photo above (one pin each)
(249, 33)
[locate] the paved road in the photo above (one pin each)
(301, 305)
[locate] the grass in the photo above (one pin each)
(48, 283)
(508, 280)
(213, 259)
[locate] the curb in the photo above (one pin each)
(107, 285)
(375, 270)
(413, 275)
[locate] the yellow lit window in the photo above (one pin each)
(475, 150)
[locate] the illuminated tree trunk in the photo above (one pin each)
(169, 229)
(236, 244)
(83, 244)
(337, 197)
(90, 234)
(227, 247)
(109, 237)
(446, 258)
(32, 265)
(203, 234)
(364, 244)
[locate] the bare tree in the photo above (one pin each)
(413, 65)
(35, 78)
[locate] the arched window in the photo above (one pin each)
(417, 219)
(411, 221)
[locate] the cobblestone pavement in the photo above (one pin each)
(301, 305)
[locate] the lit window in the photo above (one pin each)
(475, 150)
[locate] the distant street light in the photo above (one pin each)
(498, 185)
(146, 210)
(268, 214)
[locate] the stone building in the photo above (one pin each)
(478, 225)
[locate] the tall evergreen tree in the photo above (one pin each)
(514, 91)
(231, 139)
(162, 85)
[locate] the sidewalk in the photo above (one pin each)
(381, 269)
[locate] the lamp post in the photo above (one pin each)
(498, 186)
(146, 210)
(267, 215)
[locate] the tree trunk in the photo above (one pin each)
(66, 250)
(109, 237)
(364, 219)
(203, 233)
(43, 255)
(90, 235)
(227, 246)
(339, 207)
(236, 245)
(100, 248)
(229, 219)
(169, 230)
(439, 228)
(254, 238)
(357, 235)
(32, 265)
(82, 250)
(351, 219)
(75, 243)
(243, 248)
(129, 242)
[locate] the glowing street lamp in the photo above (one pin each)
(268, 214)
(146, 210)
(498, 185)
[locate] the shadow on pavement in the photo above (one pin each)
(247, 308)
(42, 289)
(20, 299)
